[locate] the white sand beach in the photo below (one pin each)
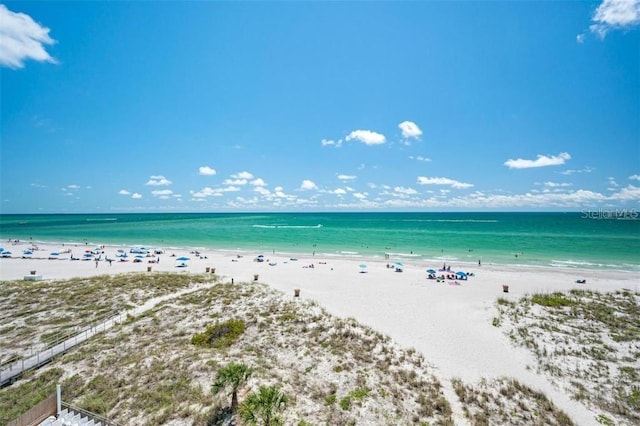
(449, 323)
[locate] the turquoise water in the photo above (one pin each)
(537, 239)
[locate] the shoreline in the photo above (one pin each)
(556, 265)
(449, 322)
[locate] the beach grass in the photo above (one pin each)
(586, 341)
(36, 315)
(147, 370)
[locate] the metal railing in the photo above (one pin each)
(84, 413)
(14, 369)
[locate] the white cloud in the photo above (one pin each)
(541, 161)
(339, 191)
(162, 193)
(556, 184)
(443, 181)
(258, 182)
(22, 38)
(635, 177)
(242, 175)
(136, 196)
(405, 191)
(346, 177)
(205, 192)
(629, 193)
(410, 129)
(611, 180)
(580, 38)
(262, 191)
(206, 171)
(158, 181)
(235, 181)
(571, 172)
(420, 158)
(360, 195)
(73, 187)
(124, 192)
(367, 137)
(308, 185)
(615, 14)
(330, 142)
(211, 192)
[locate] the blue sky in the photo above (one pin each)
(319, 106)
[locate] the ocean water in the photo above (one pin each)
(595, 240)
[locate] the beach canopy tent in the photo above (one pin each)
(461, 275)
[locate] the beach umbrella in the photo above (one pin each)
(399, 264)
(182, 259)
(1, 249)
(461, 274)
(6, 254)
(431, 271)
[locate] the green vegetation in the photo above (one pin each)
(147, 369)
(590, 338)
(232, 376)
(34, 388)
(507, 401)
(553, 300)
(264, 407)
(220, 335)
(87, 301)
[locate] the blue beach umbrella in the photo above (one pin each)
(182, 259)
(461, 274)
(431, 271)
(399, 264)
